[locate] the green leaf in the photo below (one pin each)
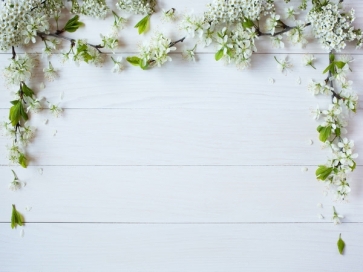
(135, 61)
(26, 90)
(247, 23)
(142, 66)
(23, 113)
(340, 244)
(324, 133)
(143, 25)
(339, 64)
(331, 57)
(323, 172)
(353, 166)
(337, 132)
(219, 54)
(23, 161)
(327, 68)
(73, 24)
(15, 112)
(17, 218)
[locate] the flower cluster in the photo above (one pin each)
(331, 130)
(156, 52)
(19, 70)
(333, 26)
(94, 8)
(236, 45)
(221, 11)
(22, 19)
(137, 7)
(83, 52)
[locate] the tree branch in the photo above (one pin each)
(72, 41)
(286, 29)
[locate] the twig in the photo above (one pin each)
(286, 29)
(174, 43)
(72, 41)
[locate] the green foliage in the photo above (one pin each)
(73, 24)
(324, 133)
(247, 23)
(323, 172)
(334, 65)
(26, 90)
(17, 218)
(144, 24)
(219, 54)
(82, 50)
(135, 61)
(17, 112)
(340, 244)
(23, 161)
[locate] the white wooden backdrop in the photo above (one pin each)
(189, 167)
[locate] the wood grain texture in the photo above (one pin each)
(177, 194)
(246, 247)
(187, 167)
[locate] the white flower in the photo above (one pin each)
(283, 65)
(50, 73)
(15, 184)
(316, 112)
(336, 217)
(55, 110)
(168, 15)
(272, 22)
(290, 13)
(118, 66)
(277, 41)
(308, 60)
(189, 54)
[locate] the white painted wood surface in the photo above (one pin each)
(189, 167)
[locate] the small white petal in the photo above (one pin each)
(320, 205)
(55, 132)
(61, 95)
(271, 80)
(21, 233)
(28, 208)
(298, 81)
(310, 142)
(304, 169)
(45, 121)
(40, 171)
(320, 216)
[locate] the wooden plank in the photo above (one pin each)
(256, 247)
(179, 137)
(129, 38)
(206, 84)
(176, 194)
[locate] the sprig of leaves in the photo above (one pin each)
(73, 24)
(136, 61)
(340, 244)
(334, 65)
(17, 218)
(144, 24)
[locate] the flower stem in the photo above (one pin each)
(286, 29)
(174, 43)
(72, 41)
(13, 52)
